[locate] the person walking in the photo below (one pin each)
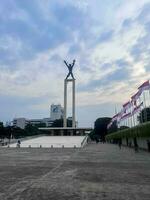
(148, 145)
(120, 143)
(136, 147)
(18, 143)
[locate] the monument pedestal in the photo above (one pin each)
(62, 131)
(66, 81)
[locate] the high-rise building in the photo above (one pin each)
(56, 112)
(22, 122)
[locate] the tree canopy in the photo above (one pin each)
(113, 128)
(16, 132)
(100, 127)
(59, 123)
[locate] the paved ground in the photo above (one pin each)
(97, 172)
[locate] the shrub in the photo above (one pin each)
(142, 130)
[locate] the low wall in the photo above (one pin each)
(142, 142)
(138, 135)
(6, 141)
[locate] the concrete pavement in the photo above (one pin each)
(96, 172)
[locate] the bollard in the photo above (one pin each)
(74, 146)
(51, 146)
(40, 146)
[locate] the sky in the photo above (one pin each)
(110, 41)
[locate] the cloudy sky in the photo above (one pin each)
(110, 41)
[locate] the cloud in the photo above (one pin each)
(109, 40)
(119, 75)
(147, 68)
(21, 107)
(127, 23)
(120, 72)
(35, 33)
(144, 15)
(105, 36)
(141, 49)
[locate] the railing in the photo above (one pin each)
(6, 141)
(84, 142)
(45, 145)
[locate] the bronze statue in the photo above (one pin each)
(70, 67)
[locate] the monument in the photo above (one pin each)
(66, 81)
(68, 130)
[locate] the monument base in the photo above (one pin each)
(63, 131)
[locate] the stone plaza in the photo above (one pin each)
(97, 171)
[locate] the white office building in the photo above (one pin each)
(20, 122)
(56, 112)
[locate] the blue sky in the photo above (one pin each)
(109, 39)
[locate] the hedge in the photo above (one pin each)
(142, 130)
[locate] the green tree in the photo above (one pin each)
(42, 124)
(59, 123)
(69, 123)
(144, 115)
(8, 131)
(18, 132)
(1, 124)
(113, 128)
(100, 127)
(31, 130)
(2, 130)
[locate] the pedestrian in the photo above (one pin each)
(96, 139)
(136, 147)
(130, 144)
(148, 145)
(120, 143)
(18, 143)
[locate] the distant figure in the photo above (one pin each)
(70, 67)
(97, 140)
(87, 140)
(18, 143)
(120, 143)
(136, 147)
(130, 144)
(148, 145)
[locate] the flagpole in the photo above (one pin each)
(140, 116)
(117, 119)
(133, 120)
(149, 96)
(145, 112)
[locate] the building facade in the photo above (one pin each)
(56, 112)
(20, 122)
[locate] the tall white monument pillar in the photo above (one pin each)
(65, 103)
(66, 81)
(73, 104)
